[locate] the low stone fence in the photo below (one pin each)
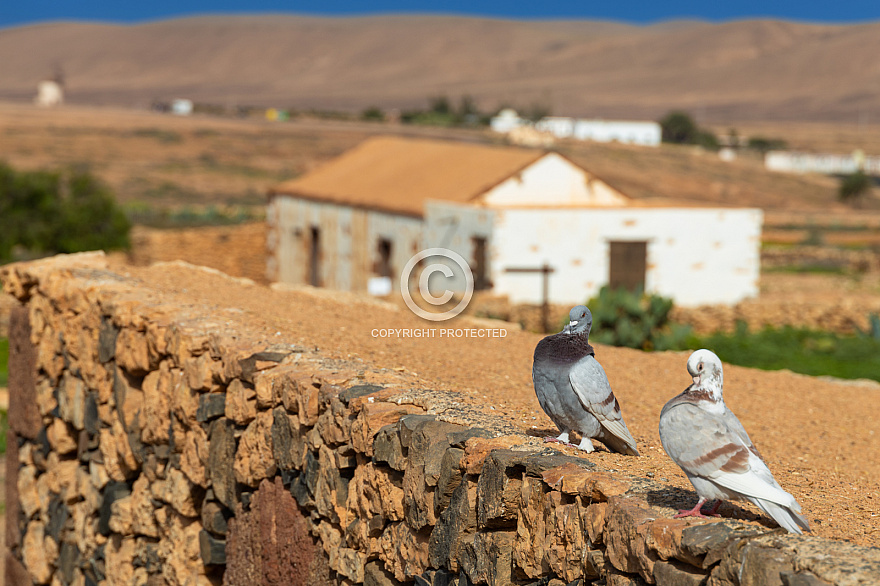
(154, 443)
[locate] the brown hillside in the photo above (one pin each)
(758, 70)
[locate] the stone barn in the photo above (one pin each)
(354, 222)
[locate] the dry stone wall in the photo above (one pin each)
(160, 443)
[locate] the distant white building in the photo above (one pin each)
(182, 107)
(557, 126)
(49, 93)
(829, 164)
(643, 133)
(625, 132)
(506, 120)
(363, 215)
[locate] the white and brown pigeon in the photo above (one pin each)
(573, 390)
(709, 443)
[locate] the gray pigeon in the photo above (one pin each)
(706, 439)
(573, 390)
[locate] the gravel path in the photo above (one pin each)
(819, 437)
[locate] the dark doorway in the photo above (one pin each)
(383, 267)
(628, 265)
(480, 264)
(314, 268)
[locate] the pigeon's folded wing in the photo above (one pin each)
(592, 388)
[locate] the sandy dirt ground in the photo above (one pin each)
(819, 437)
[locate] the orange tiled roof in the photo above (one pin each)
(398, 174)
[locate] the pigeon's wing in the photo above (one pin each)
(733, 423)
(704, 445)
(590, 384)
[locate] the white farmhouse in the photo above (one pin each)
(506, 120)
(366, 213)
(50, 93)
(622, 131)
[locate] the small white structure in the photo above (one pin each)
(625, 132)
(506, 120)
(50, 93)
(181, 107)
(557, 126)
(622, 131)
(829, 164)
(365, 214)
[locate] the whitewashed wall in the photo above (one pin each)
(643, 133)
(794, 162)
(695, 256)
(453, 226)
(349, 241)
(554, 181)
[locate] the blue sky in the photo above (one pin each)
(15, 12)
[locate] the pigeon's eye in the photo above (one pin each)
(700, 367)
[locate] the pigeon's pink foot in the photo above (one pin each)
(696, 512)
(556, 440)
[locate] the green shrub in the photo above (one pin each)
(854, 186)
(678, 127)
(635, 320)
(47, 212)
(762, 144)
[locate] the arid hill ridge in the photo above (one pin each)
(741, 70)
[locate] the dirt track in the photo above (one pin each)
(818, 437)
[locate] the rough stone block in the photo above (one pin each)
(529, 554)
(241, 403)
(211, 406)
(107, 335)
(387, 448)
(449, 478)
(709, 541)
(24, 411)
(455, 527)
(624, 536)
(221, 458)
(156, 415)
(60, 437)
(132, 352)
(112, 493)
(372, 418)
(39, 552)
(376, 575)
(195, 456)
(418, 499)
(673, 573)
(498, 490)
(254, 458)
(404, 551)
(215, 518)
(213, 550)
(271, 544)
(487, 559)
(374, 491)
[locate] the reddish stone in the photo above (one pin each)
(270, 544)
(24, 414)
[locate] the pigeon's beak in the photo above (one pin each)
(572, 323)
(697, 379)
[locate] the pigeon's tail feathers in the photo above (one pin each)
(618, 437)
(787, 518)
